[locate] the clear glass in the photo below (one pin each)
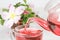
(53, 9)
(28, 34)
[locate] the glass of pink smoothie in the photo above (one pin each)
(28, 34)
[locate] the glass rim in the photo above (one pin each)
(17, 33)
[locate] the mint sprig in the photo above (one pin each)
(25, 17)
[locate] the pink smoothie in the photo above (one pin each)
(29, 34)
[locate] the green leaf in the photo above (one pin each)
(32, 14)
(1, 20)
(25, 1)
(0, 17)
(17, 5)
(4, 9)
(23, 5)
(28, 9)
(24, 17)
(25, 20)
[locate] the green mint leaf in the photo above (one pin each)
(0, 17)
(28, 9)
(5, 10)
(25, 18)
(17, 5)
(23, 5)
(32, 14)
(25, 1)
(1, 20)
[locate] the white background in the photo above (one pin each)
(39, 7)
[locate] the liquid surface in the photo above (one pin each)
(29, 34)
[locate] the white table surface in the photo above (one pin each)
(40, 4)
